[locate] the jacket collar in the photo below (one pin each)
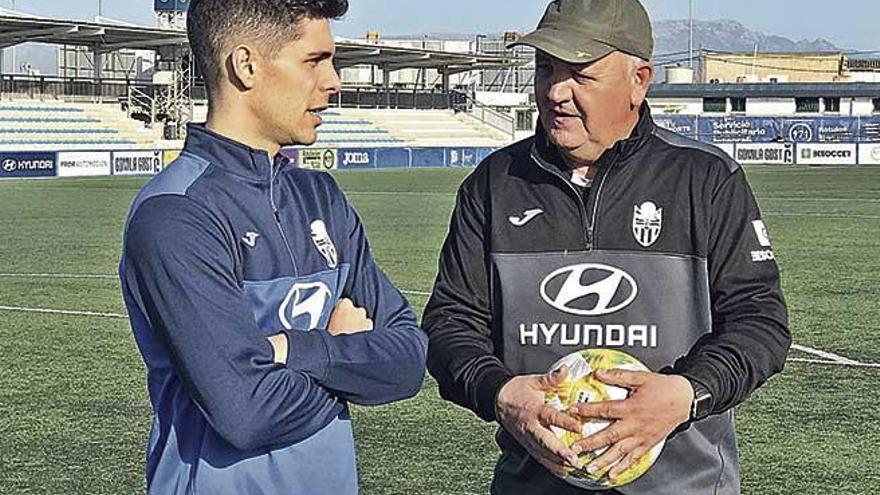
(620, 152)
(230, 155)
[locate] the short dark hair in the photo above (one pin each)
(211, 24)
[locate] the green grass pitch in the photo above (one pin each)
(74, 413)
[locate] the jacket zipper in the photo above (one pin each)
(595, 217)
(277, 217)
(588, 242)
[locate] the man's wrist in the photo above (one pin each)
(487, 390)
(701, 403)
(498, 398)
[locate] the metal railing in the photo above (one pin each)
(486, 114)
(141, 104)
(65, 88)
(397, 98)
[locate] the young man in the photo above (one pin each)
(254, 299)
(605, 231)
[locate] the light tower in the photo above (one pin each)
(171, 14)
(174, 74)
(691, 34)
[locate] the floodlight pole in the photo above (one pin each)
(478, 49)
(100, 8)
(691, 32)
(13, 46)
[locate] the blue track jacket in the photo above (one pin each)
(223, 249)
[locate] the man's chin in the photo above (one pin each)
(304, 139)
(565, 140)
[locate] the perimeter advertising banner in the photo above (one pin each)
(137, 162)
(827, 154)
(428, 157)
(170, 5)
(317, 159)
(728, 148)
(168, 156)
(83, 163)
(739, 129)
(869, 154)
(765, 153)
(357, 158)
(869, 129)
(393, 157)
(18, 164)
(686, 125)
(821, 130)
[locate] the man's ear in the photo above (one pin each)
(642, 76)
(241, 65)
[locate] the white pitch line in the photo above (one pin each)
(59, 275)
(848, 200)
(760, 198)
(824, 354)
(62, 312)
(398, 193)
(835, 360)
(834, 363)
(820, 215)
(416, 293)
(114, 277)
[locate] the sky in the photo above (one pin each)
(850, 24)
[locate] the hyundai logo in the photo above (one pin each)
(307, 299)
(10, 165)
(589, 289)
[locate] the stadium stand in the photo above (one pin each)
(51, 126)
(358, 128)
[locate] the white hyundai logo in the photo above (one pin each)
(304, 299)
(9, 165)
(589, 289)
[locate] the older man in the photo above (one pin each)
(605, 231)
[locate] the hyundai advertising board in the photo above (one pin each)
(16, 164)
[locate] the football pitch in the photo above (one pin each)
(74, 412)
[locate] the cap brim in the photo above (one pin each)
(551, 42)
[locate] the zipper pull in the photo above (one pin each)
(275, 213)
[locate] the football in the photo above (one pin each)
(582, 386)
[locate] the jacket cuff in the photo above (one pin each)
(704, 375)
(308, 353)
(487, 388)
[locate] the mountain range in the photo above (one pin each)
(730, 36)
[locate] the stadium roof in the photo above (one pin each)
(107, 36)
(394, 58)
(766, 90)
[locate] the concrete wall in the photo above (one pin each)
(796, 67)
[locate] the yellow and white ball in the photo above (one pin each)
(582, 386)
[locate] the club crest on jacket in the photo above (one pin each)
(323, 243)
(647, 223)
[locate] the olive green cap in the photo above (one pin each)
(583, 31)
